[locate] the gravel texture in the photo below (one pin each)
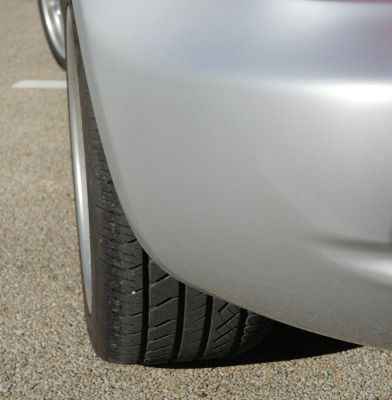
(44, 348)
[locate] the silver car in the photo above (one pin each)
(229, 155)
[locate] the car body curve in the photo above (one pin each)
(250, 145)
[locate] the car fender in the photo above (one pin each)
(250, 145)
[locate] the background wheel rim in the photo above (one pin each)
(79, 163)
(54, 25)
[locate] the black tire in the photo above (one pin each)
(140, 314)
(61, 60)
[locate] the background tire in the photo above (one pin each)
(52, 18)
(139, 313)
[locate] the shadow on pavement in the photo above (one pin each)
(284, 343)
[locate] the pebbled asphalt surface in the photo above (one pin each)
(44, 348)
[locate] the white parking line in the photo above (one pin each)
(40, 85)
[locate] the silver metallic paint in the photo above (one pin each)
(250, 143)
(53, 19)
(78, 162)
